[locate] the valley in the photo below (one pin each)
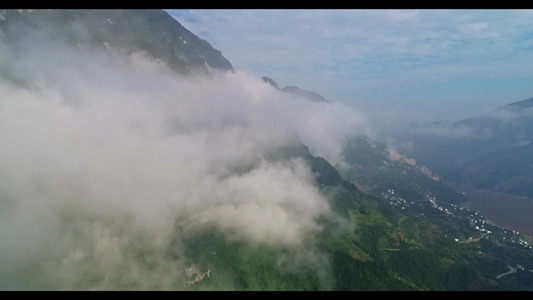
(145, 161)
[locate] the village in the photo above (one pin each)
(430, 205)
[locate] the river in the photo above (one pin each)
(509, 211)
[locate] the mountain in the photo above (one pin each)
(519, 105)
(489, 152)
(151, 30)
(296, 91)
(134, 179)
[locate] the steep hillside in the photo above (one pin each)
(398, 242)
(378, 168)
(151, 30)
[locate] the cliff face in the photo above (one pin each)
(394, 155)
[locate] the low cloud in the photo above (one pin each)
(107, 157)
(453, 132)
(489, 124)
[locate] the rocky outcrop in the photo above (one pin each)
(194, 275)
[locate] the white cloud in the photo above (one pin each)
(104, 157)
(474, 27)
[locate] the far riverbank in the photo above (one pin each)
(509, 211)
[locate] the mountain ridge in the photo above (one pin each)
(296, 91)
(150, 30)
(519, 105)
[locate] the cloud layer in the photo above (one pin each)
(106, 158)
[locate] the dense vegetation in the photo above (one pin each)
(387, 250)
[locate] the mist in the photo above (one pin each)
(108, 158)
(453, 132)
(485, 126)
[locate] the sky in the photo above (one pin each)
(394, 65)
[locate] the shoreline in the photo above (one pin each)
(509, 211)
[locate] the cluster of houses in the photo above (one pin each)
(475, 218)
(396, 201)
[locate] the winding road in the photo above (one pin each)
(513, 270)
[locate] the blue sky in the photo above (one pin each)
(395, 65)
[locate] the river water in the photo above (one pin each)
(509, 211)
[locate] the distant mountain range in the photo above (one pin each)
(519, 105)
(489, 152)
